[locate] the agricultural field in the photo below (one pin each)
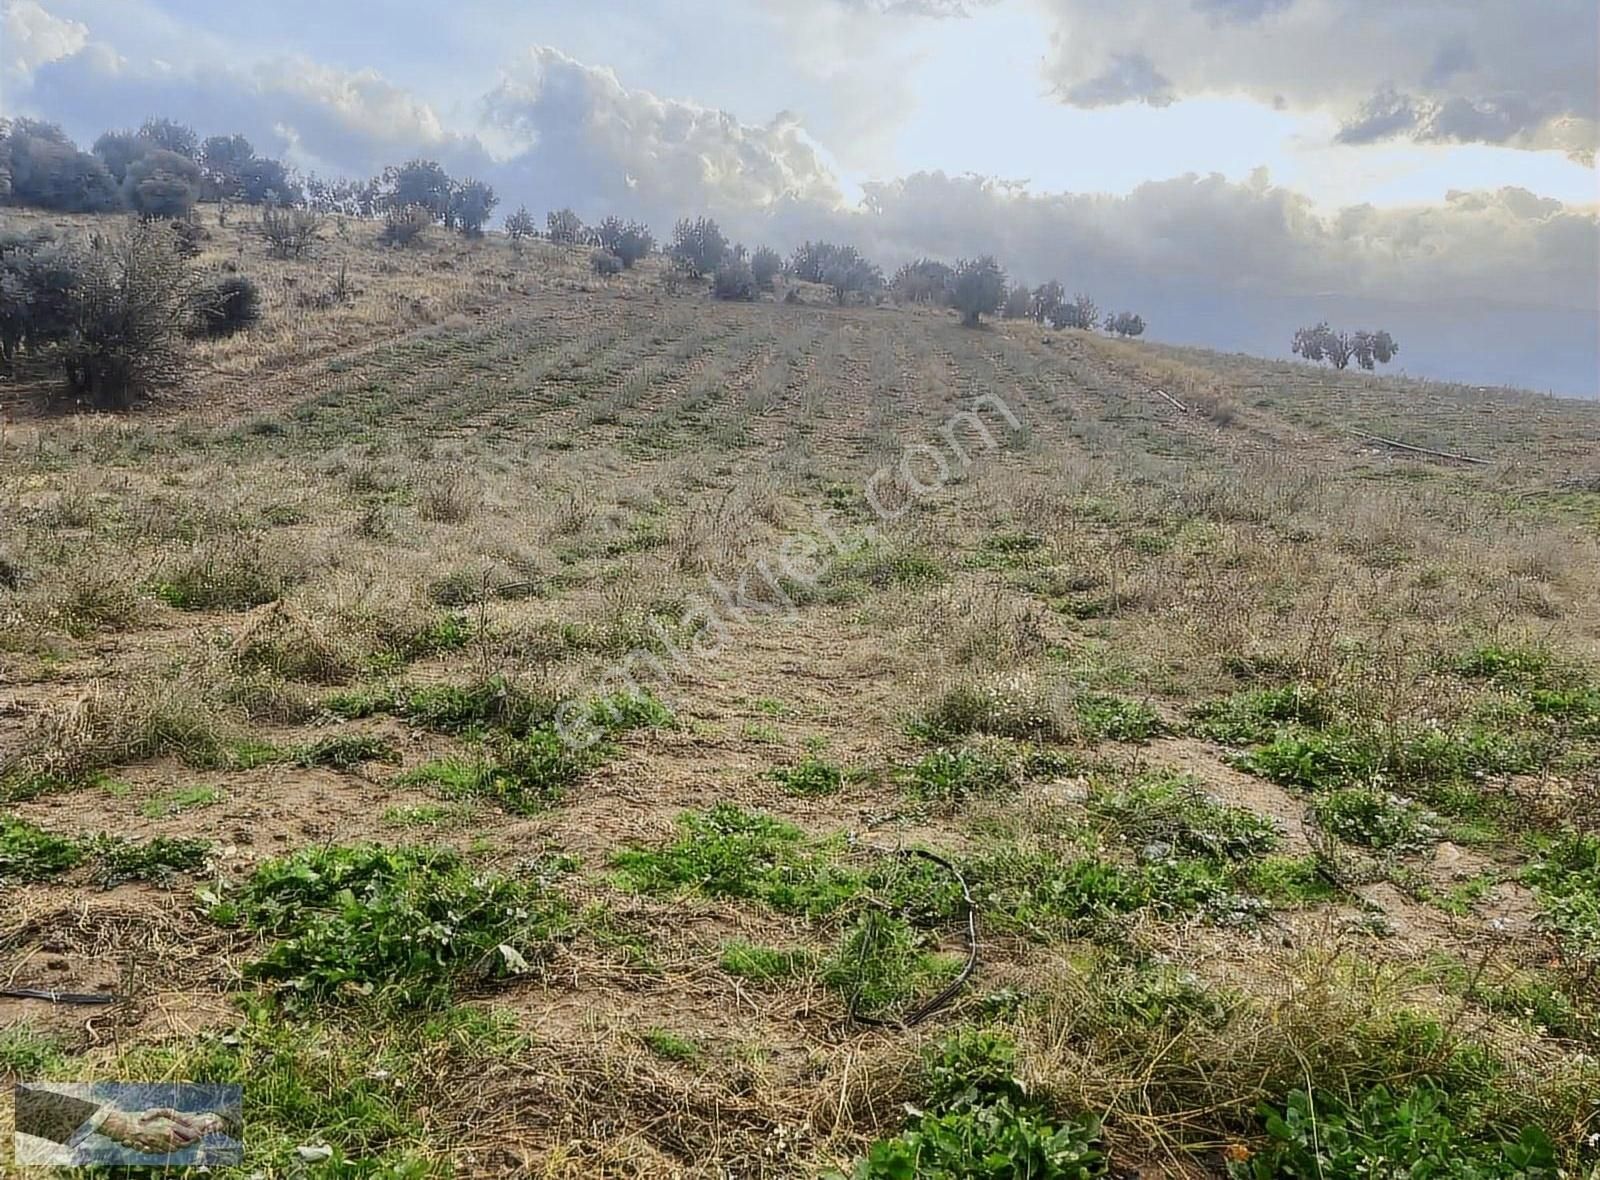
(488, 713)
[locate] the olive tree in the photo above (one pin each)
(566, 227)
(698, 246)
(924, 281)
(471, 203)
(765, 264)
(628, 240)
(978, 289)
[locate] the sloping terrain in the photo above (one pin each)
(483, 716)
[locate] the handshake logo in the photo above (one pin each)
(128, 1124)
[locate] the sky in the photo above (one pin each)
(1231, 168)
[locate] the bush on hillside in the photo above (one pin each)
(765, 264)
(405, 224)
(734, 279)
(131, 308)
(227, 306)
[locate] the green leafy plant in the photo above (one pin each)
(29, 853)
(1171, 810)
(670, 1046)
(1407, 1133)
(980, 1124)
(348, 751)
(728, 852)
(403, 924)
(1313, 759)
(952, 775)
(123, 860)
(883, 964)
(810, 777)
(1249, 718)
(763, 964)
(1376, 820)
(1565, 878)
(1103, 717)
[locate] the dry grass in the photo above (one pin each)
(482, 466)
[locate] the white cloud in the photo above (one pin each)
(33, 37)
(581, 131)
(1492, 71)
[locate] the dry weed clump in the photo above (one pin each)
(451, 495)
(114, 724)
(1323, 1021)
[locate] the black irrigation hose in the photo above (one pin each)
(953, 988)
(36, 993)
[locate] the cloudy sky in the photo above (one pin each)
(1229, 167)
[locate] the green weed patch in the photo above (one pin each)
(403, 925)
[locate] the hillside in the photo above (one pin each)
(1270, 753)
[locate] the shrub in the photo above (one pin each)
(1322, 343)
(39, 281)
(130, 311)
(1048, 299)
(978, 288)
(118, 150)
(734, 280)
(263, 181)
(168, 135)
(405, 224)
(605, 263)
(1080, 313)
(422, 184)
(227, 306)
(842, 268)
(1125, 324)
(765, 264)
(290, 232)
